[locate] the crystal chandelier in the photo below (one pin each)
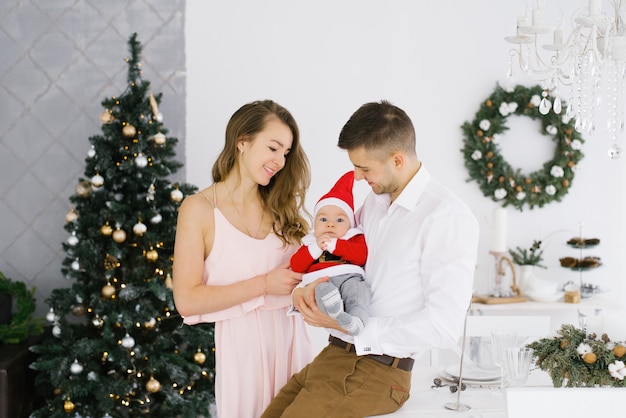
(590, 60)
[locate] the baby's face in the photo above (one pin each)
(333, 220)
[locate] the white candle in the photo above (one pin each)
(558, 36)
(537, 17)
(498, 231)
(521, 20)
(594, 7)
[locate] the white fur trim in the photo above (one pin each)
(331, 271)
(335, 202)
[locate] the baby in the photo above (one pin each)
(337, 249)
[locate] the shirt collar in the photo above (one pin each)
(412, 192)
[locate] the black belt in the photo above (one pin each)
(405, 364)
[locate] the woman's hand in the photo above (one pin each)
(282, 280)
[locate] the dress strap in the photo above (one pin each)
(214, 202)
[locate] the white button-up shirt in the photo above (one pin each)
(422, 252)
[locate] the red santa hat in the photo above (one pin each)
(340, 195)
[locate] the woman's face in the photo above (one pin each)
(265, 155)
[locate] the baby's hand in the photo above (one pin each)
(323, 241)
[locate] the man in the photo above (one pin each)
(422, 243)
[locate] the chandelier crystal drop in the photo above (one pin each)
(589, 59)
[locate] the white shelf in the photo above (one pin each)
(596, 301)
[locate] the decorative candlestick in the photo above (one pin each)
(502, 259)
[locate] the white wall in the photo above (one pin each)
(436, 60)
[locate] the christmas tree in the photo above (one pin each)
(118, 347)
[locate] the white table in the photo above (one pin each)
(485, 402)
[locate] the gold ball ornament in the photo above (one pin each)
(129, 130)
(119, 236)
(590, 358)
(68, 406)
(153, 385)
(71, 216)
(619, 351)
(106, 117)
(159, 139)
(176, 195)
(152, 255)
(83, 189)
(199, 357)
(108, 291)
(111, 262)
(78, 310)
(106, 229)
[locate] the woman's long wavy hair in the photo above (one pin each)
(285, 194)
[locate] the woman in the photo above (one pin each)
(233, 243)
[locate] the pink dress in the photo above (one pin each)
(258, 347)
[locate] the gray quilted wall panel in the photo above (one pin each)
(59, 60)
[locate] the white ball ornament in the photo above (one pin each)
(91, 152)
(128, 341)
(56, 331)
(140, 228)
(141, 161)
(176, 195)
(73, 239)
(51, 316)
(76, 367)
(156, 219)
(97, 182)
(75, 265)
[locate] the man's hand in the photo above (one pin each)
(303, 299)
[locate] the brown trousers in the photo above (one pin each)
(340, 384)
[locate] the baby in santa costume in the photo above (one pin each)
(337, 249)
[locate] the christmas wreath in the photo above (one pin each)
(23, 324)
(495, 176)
